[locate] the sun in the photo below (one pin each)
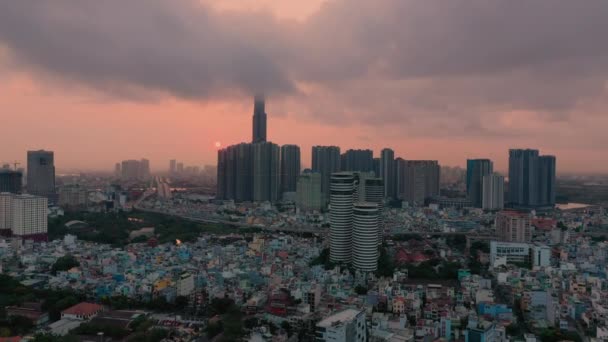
(218, 144)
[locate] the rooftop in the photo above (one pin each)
(83, 309)
(343, 316)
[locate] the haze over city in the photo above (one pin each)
(429, 79)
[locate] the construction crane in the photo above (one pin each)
(15, 164)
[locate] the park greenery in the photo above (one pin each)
(64, 263)
(115, 228)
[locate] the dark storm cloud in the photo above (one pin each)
(376, 62)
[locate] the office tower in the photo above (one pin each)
(29, 217)
(420, 180)
(235, 173)
(41, 174)
(476, 170)
(546, 181)
(73, 196)
(180, 168)
(374, 193)
(400, 164)
(387, 170)
(365, 234)
(357, 160)
(493, 192)
(10, 181)
(345, 326)
(342, 190)
(6, 213)
(376, 167)
(513, 226)
(290, 167)
(523, 178)
(325, 160)
(259, 119)
(130, 169)
(266, 165)
(308, 192)
(531, 179)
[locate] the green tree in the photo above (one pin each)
(64, 263)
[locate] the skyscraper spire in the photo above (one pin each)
(259, 119)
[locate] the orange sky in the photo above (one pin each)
(89, 129)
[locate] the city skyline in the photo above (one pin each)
(401, 93)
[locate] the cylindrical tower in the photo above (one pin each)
(341, 216)
(374, 193)
(365, 233)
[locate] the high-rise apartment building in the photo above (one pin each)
(117, 170)
(419, 180)
(493, 192)
(376, 167)
(235, 172)
(10, 181)
(144, 169)
(514, 226)
(341, 216)
(387, 172)
(266, 166)
(130, 169)
(325, 160)
(546, 181)
(41, 174)
(259, 119)
(6, 213)
(531, 179)
(308, 193)
(476, 170)
(374, 193)
(290, 167)
(364, 236)
(357, 160)
(25, 216)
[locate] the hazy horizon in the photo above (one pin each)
(429, 79)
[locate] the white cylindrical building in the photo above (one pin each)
(341, 216)
(374, 193)
(365, 234)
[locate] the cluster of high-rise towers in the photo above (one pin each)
(355, 185)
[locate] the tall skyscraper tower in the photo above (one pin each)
(308, 193)
(325, 160)
(531, 179)
(374, 193)
(357, 160)
(259, 119)
(341, 217)
(266, 165)
(365, 231)
(419, 180)
(523, 178)
(290, 167)
(493, 192)
(41, 174)
(387, 171)
(476, 170)
(546, 180)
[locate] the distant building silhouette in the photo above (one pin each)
(290, 167)
(476, 170)
(357, 160)
(531, 179)
(259, 119)
(41, 174)
(325, 160)
(387, 172)
(11, 181)
(493, 192)
(419, 180)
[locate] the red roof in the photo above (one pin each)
(11, 339)
(83, 309)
